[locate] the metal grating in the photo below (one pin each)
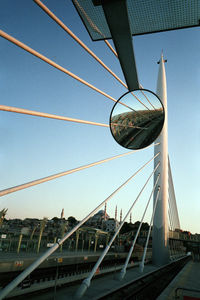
(145, 16)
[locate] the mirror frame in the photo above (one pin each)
(118, 102)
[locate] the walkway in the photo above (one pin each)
(188, 278)
(99, 286)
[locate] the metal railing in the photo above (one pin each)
(184, 289)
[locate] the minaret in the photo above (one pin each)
(120, 215)
(160, 249)
(116, 213)
(130, 217)
(105, 211)
(62, 214)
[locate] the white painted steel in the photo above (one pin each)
(66, 29)
(55, 65)
(51, 177)
(4, 292)
(86, 283)
(70, 279)
(173, 197)
(46, 115)
(149, 232)
(63, 26)
(123, 270)
(160, 249)
(52, 63)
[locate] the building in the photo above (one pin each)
(98, 219)
(110, 225)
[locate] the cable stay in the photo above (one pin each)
(86, 282)
(172, 200)
(171, 227)
(57, 117)
(171, 243)
(46, 115)
(147, 98)
(140, 100)
(111, 48)
(95, 28)
(92, 24)
(5, 291)
(57, 175)
(123, 270)
(149, 232)
(55, 65)
(171, 212)
(52, 63)
(171, 192)
(66, 29)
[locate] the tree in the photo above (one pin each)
(72, 221)
(145, 226)
(126, 228)
(55, 219)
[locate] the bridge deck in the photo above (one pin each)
(188, 278)
(99, 286)
(5, 256)
(10, 262)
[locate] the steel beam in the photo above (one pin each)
(117, 18)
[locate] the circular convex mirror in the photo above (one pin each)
(137, 119)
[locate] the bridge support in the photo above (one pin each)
(122, 39)
(160, 247)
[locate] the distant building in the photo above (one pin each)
(111, 225)
(98, 219)
(120, 216)
(62, 214)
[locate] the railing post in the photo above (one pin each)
(96, 241)
(160, 247)
(89, 242)
(19, 243)
(77, 239)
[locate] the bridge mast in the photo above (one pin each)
(160, 249)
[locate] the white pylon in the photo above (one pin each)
(160, 249)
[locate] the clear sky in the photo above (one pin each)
(33, 147)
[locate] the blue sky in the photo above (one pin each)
(33, 147)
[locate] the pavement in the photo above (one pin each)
(188, 278)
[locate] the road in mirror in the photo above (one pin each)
(137, 119)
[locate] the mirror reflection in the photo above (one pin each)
(137, 119)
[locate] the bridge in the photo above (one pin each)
(118, 274)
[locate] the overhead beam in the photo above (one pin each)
(117, 18)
